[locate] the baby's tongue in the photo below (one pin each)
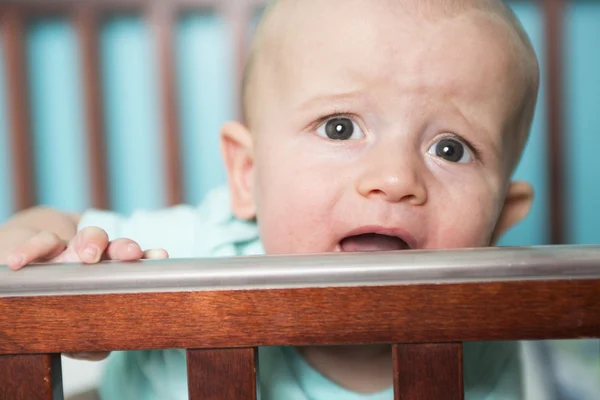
(372, 242)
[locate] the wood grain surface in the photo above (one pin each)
(222, 374)
(425, 313)
(428, 371)
(30, 377)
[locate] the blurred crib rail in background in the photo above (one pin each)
(153, 26)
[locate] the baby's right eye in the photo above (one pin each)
(340, 128)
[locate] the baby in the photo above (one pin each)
(369, 125)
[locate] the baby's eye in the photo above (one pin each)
(340, 128)
(451, 150)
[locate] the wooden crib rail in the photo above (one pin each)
(425, 303)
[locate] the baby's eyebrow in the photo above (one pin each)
(329, 100)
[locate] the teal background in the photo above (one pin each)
(583, 119)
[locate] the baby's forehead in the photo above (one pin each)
(293, 19)
(354, 49)
(302, 38)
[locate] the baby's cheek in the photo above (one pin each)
(469, 225)
(477, 231)
(457, 237)
(294, 214)
(284, 231)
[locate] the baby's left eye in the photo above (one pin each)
(340, 128)
(451, 150)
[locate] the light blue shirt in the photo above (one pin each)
(492, 371)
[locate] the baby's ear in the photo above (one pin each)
(237, 152)
(516, 207)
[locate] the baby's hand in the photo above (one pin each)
(89, 246)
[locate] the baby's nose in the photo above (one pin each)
(393, 182)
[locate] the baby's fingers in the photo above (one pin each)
(124, 250)
(156, 254)
(89, 244)
(43, 246)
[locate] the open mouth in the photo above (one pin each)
(372, 242)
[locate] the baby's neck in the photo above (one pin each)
(361, 369)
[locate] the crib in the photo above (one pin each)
(426, 304)
(475, 297)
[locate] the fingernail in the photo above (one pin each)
(153, 253)
(91, 252)
(15, 261)
(132, 248)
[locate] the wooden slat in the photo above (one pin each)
(13, 37)
(38, 7)
(30, 377)
(162, 18)
(428, 371)
(554, 14)
(222, 374)
(238, 16)
(459, 312)
(86, 23)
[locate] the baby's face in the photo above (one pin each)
(377, 131)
